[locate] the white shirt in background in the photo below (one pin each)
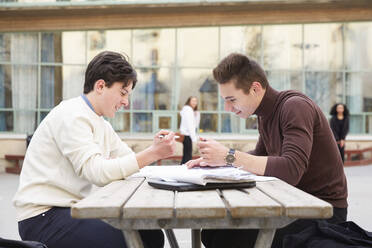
(189, 122)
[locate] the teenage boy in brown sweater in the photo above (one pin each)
(295, 144)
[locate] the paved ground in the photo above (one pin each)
(360, 202)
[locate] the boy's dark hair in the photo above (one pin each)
(333, 111)
(242, 70)
(111, 67)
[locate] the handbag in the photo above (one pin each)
(180, 138)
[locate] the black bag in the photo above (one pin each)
(7, 243)
(324, 235)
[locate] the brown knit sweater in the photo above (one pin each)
(301, 149)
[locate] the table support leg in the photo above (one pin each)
(171, 238)
(196, 238)
(265, 238)
(133, 238)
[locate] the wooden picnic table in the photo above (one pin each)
(132, 205)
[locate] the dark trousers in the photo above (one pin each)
(236, 238)
(57, 229)
(342, 152)
(187, 149)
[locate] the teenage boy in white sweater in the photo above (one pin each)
(73, 148)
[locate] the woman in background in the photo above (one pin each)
(340, 125)
(190, 119)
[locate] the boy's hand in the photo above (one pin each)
(164, 144)
(212, 153)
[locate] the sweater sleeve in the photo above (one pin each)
(118, 147)
(76, 142)
(296, 121)
(260, 149)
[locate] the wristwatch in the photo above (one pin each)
(230, 157)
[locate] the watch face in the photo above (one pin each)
(230, 158)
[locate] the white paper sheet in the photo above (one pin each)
(199, 175)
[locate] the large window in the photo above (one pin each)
(329, 62)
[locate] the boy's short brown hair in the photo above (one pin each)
(242, 70)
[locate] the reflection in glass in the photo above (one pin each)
(368, 124)
(356, 124)
(6, 121)
(165, 122)
(251, 122)
(51, 86)
(208, 122)
(324, 88)
(242, 39)
(24, 97)
(73, 81)
(142, 122)
(108, 40)
(358, 52)
(121, 122)
(285, 80)
(323, 46)
(51, 47)
(25, 121)
(43, 114)
(230, 123)
(24, 48)
(5, 86)
(282, 51)
(359, 92)
(74, 47)
(197, 46)
(4, 47)
(154, 47)
(154, 90)
(199, 83)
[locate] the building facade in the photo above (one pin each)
(321, 48)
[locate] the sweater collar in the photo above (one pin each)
(268, 102)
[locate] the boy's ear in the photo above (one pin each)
(99, 85)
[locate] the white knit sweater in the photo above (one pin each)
(71, 149)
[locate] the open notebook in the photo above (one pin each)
(178, 175)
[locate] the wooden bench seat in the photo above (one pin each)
(358, 157)
(18, 167)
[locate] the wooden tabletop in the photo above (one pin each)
(134, 198)
(132, 204)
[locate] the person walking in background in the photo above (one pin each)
(340, 125)
(190, 118)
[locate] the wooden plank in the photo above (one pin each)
(132, 238)
(296, 203)
(107, 201)
(199, 204)
(251, 203)
(149, 202)
(264, 238)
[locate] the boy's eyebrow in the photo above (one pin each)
(229, 97)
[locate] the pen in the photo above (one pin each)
(162, 136)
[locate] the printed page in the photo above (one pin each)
(198, 175)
